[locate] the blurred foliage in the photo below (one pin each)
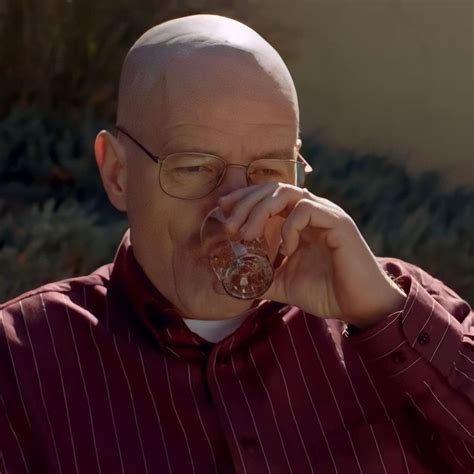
(48, 242)
(46, 155)
(60, 63)
(55, 221)
(56, 53)
(402, 215)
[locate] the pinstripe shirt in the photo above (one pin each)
(99, 374)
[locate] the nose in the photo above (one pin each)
(235, 177)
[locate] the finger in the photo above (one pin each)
(306, 213)
(238, 209)
(228, 201)
(275, 199)
(278, 203)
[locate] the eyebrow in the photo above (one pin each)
(277, 154)
(274, 154)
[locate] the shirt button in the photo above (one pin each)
(398, 357)
(249, 444)
(423, 338)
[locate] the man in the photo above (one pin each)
(348, 363)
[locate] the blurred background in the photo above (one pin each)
(387, 104)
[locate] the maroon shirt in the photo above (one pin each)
(98, 374)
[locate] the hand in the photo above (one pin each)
(328, 269)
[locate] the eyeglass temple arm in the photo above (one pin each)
(155, 158)
(307, 166)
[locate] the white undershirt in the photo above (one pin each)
(215, 331)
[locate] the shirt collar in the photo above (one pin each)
(134, 296)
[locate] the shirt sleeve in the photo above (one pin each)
(16, 443)
(427, 350)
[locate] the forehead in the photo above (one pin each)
(224, 93)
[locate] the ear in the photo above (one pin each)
(110, 158)
(299, 143)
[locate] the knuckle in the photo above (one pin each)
(278, 189)
(284, 188)
(343, 219)
(305, 204)
(347, 220)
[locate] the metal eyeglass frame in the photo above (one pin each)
(157, 159)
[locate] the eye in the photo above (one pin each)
(272, 170)
(267, 172)
(190, 165)
(194, 170)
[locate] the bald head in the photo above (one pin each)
(203, 85)
(182, 62)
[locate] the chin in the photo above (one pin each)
(201, 295)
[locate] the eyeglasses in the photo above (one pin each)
(190, 175)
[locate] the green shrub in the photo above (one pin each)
(47, 242)
(55, 221)
(402, 215)
(46, 155)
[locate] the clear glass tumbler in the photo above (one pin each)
(243, 267)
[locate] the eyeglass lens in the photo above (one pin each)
(191, 176)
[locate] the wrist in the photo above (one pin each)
(392, 300)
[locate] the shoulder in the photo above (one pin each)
(79, 297)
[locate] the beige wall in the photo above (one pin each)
(389, 76)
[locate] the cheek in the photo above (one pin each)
(183, 227)
(147, 210)
(172, 223)
(157, 217)
(143, 202)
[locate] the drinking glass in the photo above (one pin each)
(242, 266)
